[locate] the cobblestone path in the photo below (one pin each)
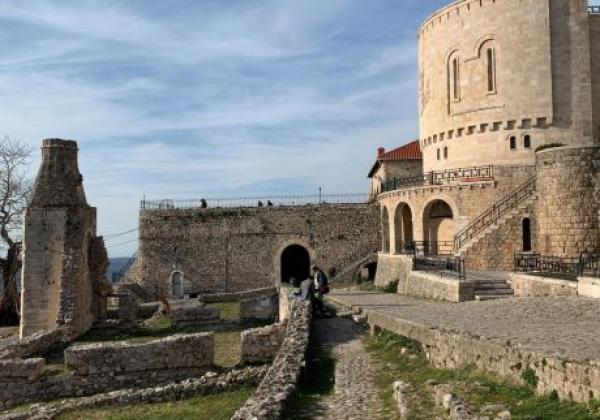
(355, 393)
(558, 326)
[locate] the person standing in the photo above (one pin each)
(321, 288)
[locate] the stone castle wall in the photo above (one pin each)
(541, 80)
(568, 190)
(232, 250)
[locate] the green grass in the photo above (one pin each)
(471, 385)
(230, 311)
(214, 407)
(369, 286)
(318, 381)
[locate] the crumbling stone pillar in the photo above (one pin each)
(62, 257)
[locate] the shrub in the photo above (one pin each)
(391, 288)
(529, 377)
(548, 146)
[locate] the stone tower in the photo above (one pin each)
(63, 260)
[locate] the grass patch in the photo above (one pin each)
(318, 381)
(214, 407)
(230, 311)
(470, 385)
(369, 286)
(228, 348)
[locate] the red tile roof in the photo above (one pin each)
(409, 151)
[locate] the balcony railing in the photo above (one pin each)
(472, 174)
(426, 248)
(594, 10)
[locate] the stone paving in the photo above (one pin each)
(355, 394)
(566, 327)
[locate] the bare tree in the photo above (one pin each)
(15, 189)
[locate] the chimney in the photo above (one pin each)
(380, 151)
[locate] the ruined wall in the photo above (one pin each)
(237, 249)
(61, 254)
(568, 189)
(260, 345)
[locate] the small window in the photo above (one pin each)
(445, 153)
(491, 70)
(513, 143)
(438, 154)
(455, 79)
(527, 141)
(526, 235)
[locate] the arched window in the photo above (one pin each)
(527, 141)
(385, 224)
(446, 152)
(526, 235)
(491, 69)
(455, 79)
(513, 143)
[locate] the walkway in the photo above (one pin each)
(560, 326)
(355, 394)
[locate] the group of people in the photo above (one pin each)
(313, 288)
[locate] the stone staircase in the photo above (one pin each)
(493, 289)
(506, 218)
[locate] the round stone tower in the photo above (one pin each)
(500, 77)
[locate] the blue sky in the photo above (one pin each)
(197, 98)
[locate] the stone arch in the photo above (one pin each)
(385, 230)
(277, 260)
(403, 227)
(438, 227)
(369, 264)
(177, 290)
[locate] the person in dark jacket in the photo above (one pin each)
(321, 288)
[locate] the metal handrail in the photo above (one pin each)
(257, 201)
(551, 266)
(426, 248)
(495, 212)
(440, 177)
(452, 266)
(590, 265)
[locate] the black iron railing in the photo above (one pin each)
(475, 173)
(594, 10)
(258, 201)
(495, 212)
(448, 266)
(550, 266)
(426, 248)
(590, 265)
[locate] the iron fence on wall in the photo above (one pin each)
(257, 201)
(594, 10)
(444, 266)
(426, 248)
(590, 265)
(474, 173)
(550, 266)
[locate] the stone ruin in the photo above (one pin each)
(64, 261)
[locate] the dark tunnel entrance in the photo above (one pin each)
(295, 262)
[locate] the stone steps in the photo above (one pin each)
(492, 289)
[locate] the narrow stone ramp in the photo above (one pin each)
(355, 392)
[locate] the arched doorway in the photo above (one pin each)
(177, 285)
(295, 262)
(438, 228)
(403, 228)
(527, 234)
(385, 224)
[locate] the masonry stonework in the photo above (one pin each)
(232, 250)
(63, 259)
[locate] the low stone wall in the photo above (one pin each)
(21, 368)
(260, 345)
(262, 308)
(192, 312)
(37, 343)
(526, 285)
(174, 352)
(392, 268)
(235, 296)
(434, 286)
(271, 398)
(589, 287)
(207, 384)
(571, 379)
